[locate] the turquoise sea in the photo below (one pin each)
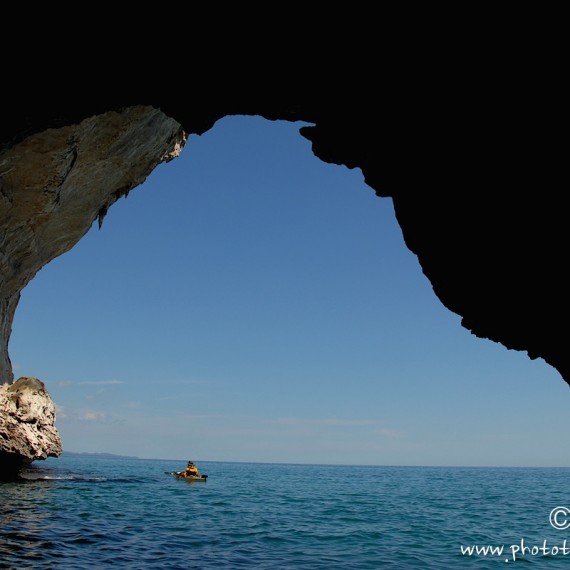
(97, 512)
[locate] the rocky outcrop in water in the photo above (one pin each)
(27, 425)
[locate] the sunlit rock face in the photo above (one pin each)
(55, 183)
(27, 425)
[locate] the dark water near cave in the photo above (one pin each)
(86, 512)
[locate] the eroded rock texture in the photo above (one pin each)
(55, 183)
(27, 425)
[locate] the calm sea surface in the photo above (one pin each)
(96, 512)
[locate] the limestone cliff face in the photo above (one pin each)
(27, 425)
(54, 184)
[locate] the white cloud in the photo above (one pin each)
(92, 416)
(389, 433)
(325, 422)
(67, 383)
(101, 382)
(186, 381)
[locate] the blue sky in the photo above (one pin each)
(250, 302)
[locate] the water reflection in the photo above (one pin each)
(26, 509)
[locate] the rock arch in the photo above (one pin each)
(470, 192)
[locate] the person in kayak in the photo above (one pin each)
(190, 471)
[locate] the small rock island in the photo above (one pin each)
(27, 426)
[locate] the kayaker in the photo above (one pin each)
(190, 471)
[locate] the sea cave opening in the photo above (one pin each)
(249, 302)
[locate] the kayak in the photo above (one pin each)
(192, 477)
(180, 475)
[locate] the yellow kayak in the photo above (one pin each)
(180, 475)
(192, 477)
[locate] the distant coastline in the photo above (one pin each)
(103, 454)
